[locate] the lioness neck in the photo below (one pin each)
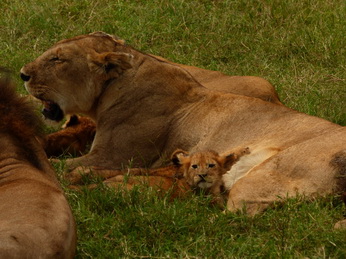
(158, 75)
(154, 85)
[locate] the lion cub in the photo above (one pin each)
(75, 137)
(199, 171)
(203, 171)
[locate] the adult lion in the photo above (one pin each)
(145, 107)
(36, 220)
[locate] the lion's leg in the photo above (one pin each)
(86, 160)
(76, 176)
(217, 193)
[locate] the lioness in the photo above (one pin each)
(145, 107)
(36, 220)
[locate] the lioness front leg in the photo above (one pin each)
(86, 160)
(76, 175)
(96, 158)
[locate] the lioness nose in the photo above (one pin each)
(24, 77)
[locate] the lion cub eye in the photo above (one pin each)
(194, 166)
(211, 165)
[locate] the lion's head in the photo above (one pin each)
(80, 65)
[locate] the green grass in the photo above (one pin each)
(299, 46)
(138, 224)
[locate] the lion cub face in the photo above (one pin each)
(204, 170)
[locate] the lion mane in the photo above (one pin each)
(36, 220)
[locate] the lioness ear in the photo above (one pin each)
(113, 37)
(110, 63)
(178, 156)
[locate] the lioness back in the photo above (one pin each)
(251, 86)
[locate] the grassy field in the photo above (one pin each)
(299, 46)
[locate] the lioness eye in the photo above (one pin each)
(54, 59)
(194, 166)
(211, 165)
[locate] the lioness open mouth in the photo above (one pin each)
(52, 111)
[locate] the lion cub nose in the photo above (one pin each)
(202, 175)
(24, 77)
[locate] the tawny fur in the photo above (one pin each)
(199, 171)
(36, 220)
(145, 107)
(251, 86)
(75, 138)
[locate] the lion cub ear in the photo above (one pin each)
(179, 156)
(227, 161)
(110, 63)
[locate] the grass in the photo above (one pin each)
(299, 46)
(137, 224)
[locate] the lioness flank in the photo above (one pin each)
(36, 220)
(145, 107)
